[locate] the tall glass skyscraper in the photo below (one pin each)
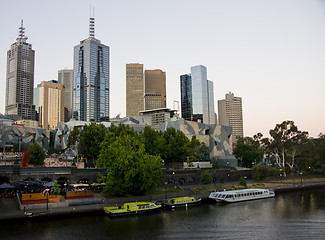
(20, 78)
(197, 98)
(91, 79)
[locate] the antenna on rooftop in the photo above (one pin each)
(92, 23)
(21, 30)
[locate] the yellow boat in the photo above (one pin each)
(132, 208)
(182, 202)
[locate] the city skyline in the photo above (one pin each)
(272, 54)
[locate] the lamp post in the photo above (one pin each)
(301, 178)
(47, 200)
(166, 191)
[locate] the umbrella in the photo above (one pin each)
(5, 185)
(48, 184)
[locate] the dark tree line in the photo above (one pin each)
(288, 148)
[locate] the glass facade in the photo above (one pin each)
(91, 86)
(186, 96)
(197, 98)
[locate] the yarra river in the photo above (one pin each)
(295, 215)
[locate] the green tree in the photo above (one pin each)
(174, 146)
(203, 151)
(285, 144)
(129, 168)
(249, 151)
(91, 137)
(37, 154)
(56, 188)
(206, 178)
(191, 149)
(259, 172)
(153, 140)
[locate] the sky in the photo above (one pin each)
(269, 53)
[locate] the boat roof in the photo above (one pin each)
(243, 190)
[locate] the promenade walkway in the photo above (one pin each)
(9, 207)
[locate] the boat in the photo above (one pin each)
(132, 208)
(182, 202)
(241, 195)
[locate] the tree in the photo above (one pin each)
(206, 178)
(129, 168)
(191, 149)
(259, 172)
(37, 154)
(249, 151)
(56, 188)
(153, 140)
(90, 139)
(203, 151)
(285, 144)
(174, 146)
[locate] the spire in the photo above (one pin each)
(92, 24)
(21, 34)
(21, 30)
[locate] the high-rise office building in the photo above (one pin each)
(134, 89)
(20, 78)
(91, 79)
(65, 77)
(231, 114)
(154, 89)
(51, 97)
(197, 98)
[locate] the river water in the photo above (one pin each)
(296, 215)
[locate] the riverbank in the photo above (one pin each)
(10, 209)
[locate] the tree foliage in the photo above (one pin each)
(37, 154)
(56, 188)
(153, 140)
(249, 150)
(90, 140)
(174, 146)
(129, 168)
(286, 143)
(206, 178)
(259, 172)
(203, 151)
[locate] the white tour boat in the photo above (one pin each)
(241, 195)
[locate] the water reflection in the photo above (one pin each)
(298, 215)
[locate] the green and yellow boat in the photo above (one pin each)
(182, 202)
(132, 208)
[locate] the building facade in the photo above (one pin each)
(91, 79)
(197, 96)
(134, 89)
(51, 98)
(20, 78)
(154, 89)
(65, 77)
(231, 114)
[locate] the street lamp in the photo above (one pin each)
(300, 178)
(166, 191)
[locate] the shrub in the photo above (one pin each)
(222, 179)
(259, 172)
(273, 172)
(242, 181)
(206, 178)
(56, 188)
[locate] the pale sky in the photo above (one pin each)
(270, 53)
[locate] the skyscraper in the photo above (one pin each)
(65, 77)
(134, 89)
(91, 79)
(231, 114)
(154, 89)
(197, 98)
(51, 97)
(20, 78)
